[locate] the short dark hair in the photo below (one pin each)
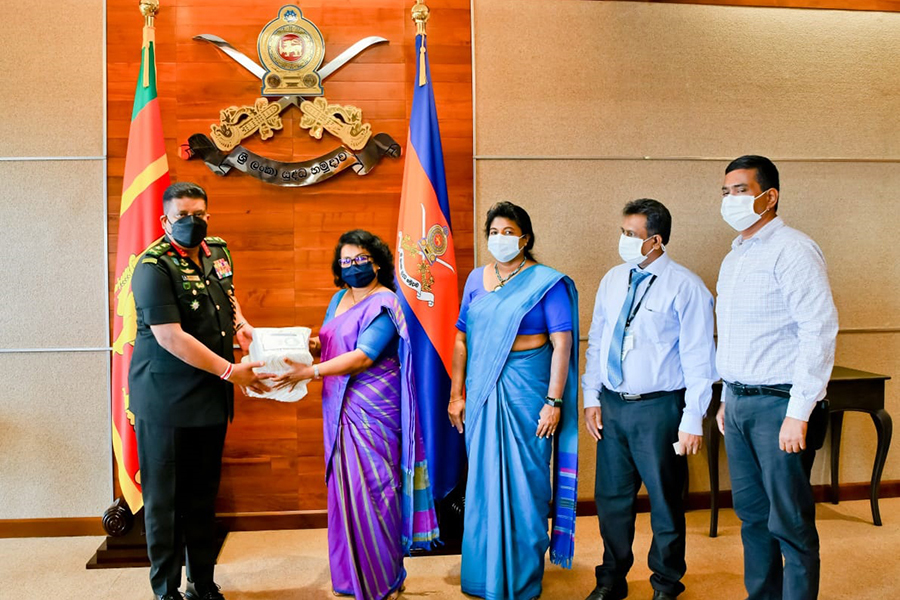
(766, 171)
(183, 189)
(371, 243)
(516, 214)
(659, 220)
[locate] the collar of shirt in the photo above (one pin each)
(657, 266)
(760, 236)
(183, 254)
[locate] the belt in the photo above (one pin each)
(642, 397)
(782, 390)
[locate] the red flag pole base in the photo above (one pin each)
(125, 545)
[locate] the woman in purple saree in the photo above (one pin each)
(379, 499)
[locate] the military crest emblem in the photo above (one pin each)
(291, 49)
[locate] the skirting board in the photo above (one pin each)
(701, 500)
(91, 526)
(63, 527)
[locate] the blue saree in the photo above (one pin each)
(509, 496)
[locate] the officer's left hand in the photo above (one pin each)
(244, 336)
(690, 443)
(244, 376)
(792, 438)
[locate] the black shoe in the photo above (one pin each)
(602, 592)
(169, 596)
(210, 593)
(658, 595)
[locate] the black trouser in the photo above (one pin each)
(773, 499)
(180, 471)
(637, 447)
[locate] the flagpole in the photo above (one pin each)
(145, 176)
(149, 8)
(420, 14)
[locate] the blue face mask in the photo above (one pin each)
(358, 276)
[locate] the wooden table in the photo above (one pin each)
(848, 389)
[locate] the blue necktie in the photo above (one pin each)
(614, 362)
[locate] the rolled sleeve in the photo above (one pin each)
(154, 297)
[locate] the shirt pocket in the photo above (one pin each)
(658, 323)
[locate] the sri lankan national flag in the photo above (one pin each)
(146, 177)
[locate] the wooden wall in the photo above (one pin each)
(282, 238)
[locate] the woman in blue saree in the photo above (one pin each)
(514, 395)
(379, 498)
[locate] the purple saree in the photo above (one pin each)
(379, 498)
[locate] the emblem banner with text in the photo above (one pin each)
(428, 289)
(146, 178)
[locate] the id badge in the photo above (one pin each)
(627, 345)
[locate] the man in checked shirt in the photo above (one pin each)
(777, 325)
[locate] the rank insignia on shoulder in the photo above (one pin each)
(215, 241)
(223, 269)
(159, 249)
(149, 261)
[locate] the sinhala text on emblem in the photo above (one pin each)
(291, 49)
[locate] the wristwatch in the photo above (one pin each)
(554, 402)
(316, 372)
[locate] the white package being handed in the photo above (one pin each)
(272, 345)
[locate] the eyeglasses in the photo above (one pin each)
(359, 260)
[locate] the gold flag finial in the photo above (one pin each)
(420, 14)
(149, 8)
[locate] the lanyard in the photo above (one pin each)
(637, 307)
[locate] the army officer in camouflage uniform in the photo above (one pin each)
(181, 389)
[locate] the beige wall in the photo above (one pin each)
(567, 112)
(54, 401)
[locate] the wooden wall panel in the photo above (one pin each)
(282, 238)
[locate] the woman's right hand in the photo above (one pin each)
(456, 410)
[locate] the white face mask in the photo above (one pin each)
(504, 247)
(738, 211)
(630, 249)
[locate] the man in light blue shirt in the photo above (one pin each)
(777, 328)
(647, 385)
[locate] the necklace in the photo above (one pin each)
(501, 281)
(355, 301)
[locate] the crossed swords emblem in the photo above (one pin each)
(296, 173)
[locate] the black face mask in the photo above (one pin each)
(189, 231)
(358, 276)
